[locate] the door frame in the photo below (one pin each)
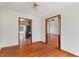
(19, 29)
(59, 36)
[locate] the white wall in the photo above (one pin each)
(9, 26)
(0, 26)
(43, 30)
(70, 29)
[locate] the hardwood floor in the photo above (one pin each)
(37, 49)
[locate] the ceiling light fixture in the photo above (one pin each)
(35, 5)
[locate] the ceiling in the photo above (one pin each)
(17, 6)
(43, 8)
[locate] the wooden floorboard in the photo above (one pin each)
(37, 49)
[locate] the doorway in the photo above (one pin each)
(25, 31)
(53, 31)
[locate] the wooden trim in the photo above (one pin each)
(53, 17)
(0, 49)
(59, 19)
(24, 18)
(31, 31)
(59, 31)
(46, 31)
(19, 29)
